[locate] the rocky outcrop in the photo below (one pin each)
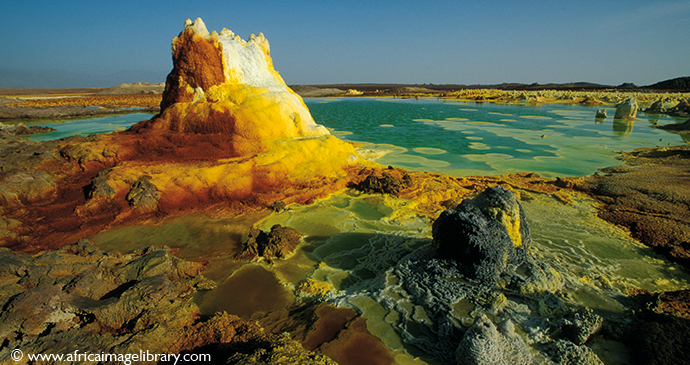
(682, 109)
(486, 344)
(579, 326)
(23, 130)
(19, 187)
(20, 153)
(143, 195)
(386, 184)
(487, 235)
(591, 101)
(99, 187)
(626, 109)
(81, 296)
(657, 107)
(657, 332)
(279, 243)
(230, 133)
(676, 303)
(223, 104)
(473, 295)
(567, 353)
(277, 349)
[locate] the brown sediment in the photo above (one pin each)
(197, 63)
(257, 291)
(650, 196)
(356, 345)
(658, 330)
(221, 329)
(124, 101)
(339, 333)
(676, 303)
(331, 320)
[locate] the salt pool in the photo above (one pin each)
(467, 138)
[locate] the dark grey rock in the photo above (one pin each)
(488, 235)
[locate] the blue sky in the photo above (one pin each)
(320, 42)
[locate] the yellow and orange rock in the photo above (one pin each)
(223, 84)
(230, 135)
(229, 128)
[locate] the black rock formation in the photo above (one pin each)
(487, 235)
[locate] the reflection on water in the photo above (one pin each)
(622, 126)
(488, 139)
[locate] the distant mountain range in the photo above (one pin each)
(680, 84)
(17, 78)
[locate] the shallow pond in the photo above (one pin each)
(466, 138)
(83, 126)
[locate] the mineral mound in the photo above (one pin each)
(230, 132)
(225, 102)
(222, 84)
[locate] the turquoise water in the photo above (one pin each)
(487, 139)
(457, 138)
(85, 126)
